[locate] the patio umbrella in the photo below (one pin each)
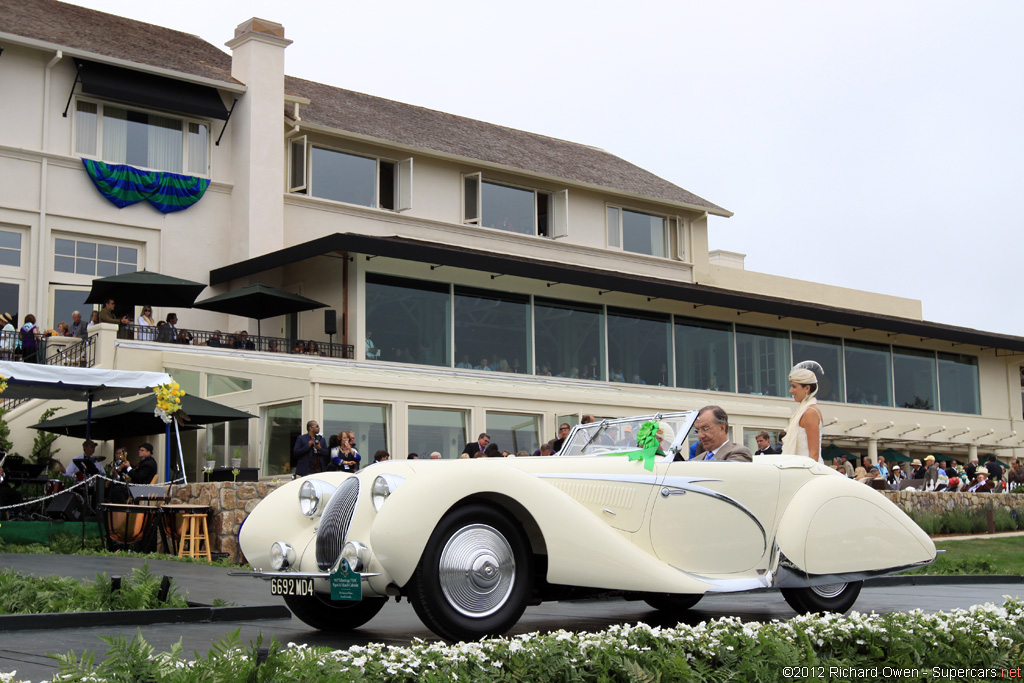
(145, 287)
(136, 418)
(892, 455)
(832, 451)
(259, 302)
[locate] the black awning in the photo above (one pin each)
(421, 251)
(149, 90)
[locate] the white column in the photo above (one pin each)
(873, 451)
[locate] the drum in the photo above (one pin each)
(53, 486)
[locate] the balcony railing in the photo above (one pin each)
(241, 341)
(66, 351)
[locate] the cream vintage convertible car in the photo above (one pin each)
(471, 543)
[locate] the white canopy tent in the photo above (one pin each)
(28, 380)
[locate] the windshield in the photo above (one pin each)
(610, 436)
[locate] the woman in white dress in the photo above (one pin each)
(146, 324)
(803, 435)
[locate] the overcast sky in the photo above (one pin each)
(873, 145)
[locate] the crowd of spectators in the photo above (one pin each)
(933, 475)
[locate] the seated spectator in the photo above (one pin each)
(484, 365)
(215, 340)
(312, 349)
(860, 474)
(896, 475)
(372, 352)
(435, 456)
(184, 337)
(63, 330)
(546, 449)
(1016, 473)
(272, 346)
(981, 483)
(492, 451)
(246, 342)
(522, 454)
(381, 456)
(300, 347)
(876, 481)
(464, 364)
(413, 456)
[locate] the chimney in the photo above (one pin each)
(258, 150)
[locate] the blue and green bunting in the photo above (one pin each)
(125, 185)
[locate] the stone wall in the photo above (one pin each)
(931, 502)
(231, 503)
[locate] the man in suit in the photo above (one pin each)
(712, 427)
(475, 449)
(764, 444)
(310, 454)
(79, 327)
(142, 473)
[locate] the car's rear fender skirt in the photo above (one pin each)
(835, 525)
(582, 550)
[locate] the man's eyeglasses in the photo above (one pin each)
(706, 429)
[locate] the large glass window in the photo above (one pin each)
(407, 321)
(958, 383)
(96, 259)
(914, 379)
(188, 380)
(638, 346)
(568, 339)
(436, 429)
(119, 135)
(368, 422)
(10, 248)
(217, 385)
(704, 355)
(503, 207)
(762, 361)
(868, 374)
(67, 300)
(641, 233)
(226, 440)
(9, 298)
(492, 330)
(514, 433)
(828, 352)
(344, 177)
(283, 425)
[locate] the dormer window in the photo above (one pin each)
(638, 232)
(350, 178)
(121, 135)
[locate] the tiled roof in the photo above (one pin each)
(429, 129)
(105, 34)
(113, 36)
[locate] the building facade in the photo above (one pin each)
(488, 279)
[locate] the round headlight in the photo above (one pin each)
(383, 486)
(282, 556)
(356, 554)
(313, 496)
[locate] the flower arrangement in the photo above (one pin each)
(168, 400)
(3, 384)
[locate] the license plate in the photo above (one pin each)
(291, 586)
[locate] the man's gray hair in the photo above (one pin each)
(482, 435)
(721, 417)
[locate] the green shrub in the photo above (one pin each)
(20, 594)
(930, 523)
(964, 522)
(1005, 520)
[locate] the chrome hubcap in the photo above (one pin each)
(477, 570)
(829, 590)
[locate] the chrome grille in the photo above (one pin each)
(333, 529)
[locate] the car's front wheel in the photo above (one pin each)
(833, 597)
(474, 577)
(673, 603)
(325, 614)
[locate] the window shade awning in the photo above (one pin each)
(150, 90)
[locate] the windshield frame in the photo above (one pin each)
(583, 440)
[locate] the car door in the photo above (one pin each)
(712, 517)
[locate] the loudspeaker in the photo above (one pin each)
(330, 322)
(65, 506)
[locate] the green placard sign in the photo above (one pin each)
(346, 584)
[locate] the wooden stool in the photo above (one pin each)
(194, 536)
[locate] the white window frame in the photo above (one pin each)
(669, 227)
(680, 227)
(403, 174)
(558, 205)
(97, 153)
(64, 277)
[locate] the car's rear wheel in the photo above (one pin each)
(673, 603)
(474, 577)
(833, 597)
(325, 614)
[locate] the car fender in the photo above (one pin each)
(582, 550)
(837, 525)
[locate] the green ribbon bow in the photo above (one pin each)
(647, 442)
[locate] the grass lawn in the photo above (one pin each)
(978, 556)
